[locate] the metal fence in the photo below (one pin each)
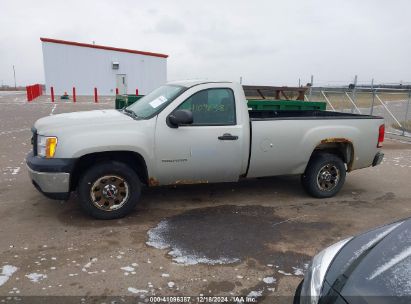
(391, 103)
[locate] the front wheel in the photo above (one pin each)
(324, 175)
(109, 190)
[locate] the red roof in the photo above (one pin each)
(102, 47)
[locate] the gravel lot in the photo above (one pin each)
(250, 238)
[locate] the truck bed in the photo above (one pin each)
(282, 141)
(257, 115)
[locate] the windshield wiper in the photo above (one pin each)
(130, 113)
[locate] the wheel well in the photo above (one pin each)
(133, 159)
(341, 147)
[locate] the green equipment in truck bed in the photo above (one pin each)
(266, 104)
(123, 101)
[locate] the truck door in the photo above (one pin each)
(209, 149)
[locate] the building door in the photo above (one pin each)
(121, 83)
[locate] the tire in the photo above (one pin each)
(109, 190)
(322, 170)
(297, 295)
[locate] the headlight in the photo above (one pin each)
(46, 146)
(314, 279)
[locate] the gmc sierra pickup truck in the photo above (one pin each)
(194, 132)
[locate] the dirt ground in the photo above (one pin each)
(249, 238)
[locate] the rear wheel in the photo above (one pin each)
(324, 175)
(109, 190)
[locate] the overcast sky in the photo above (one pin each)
(265, 42)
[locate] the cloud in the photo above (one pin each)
(167, 25)
(266, 42)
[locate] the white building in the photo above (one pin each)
(84, 66)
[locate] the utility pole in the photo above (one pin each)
(311, 88)
(14, 72)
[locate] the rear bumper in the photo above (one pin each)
(49, 177)
(378, 159)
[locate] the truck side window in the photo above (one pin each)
(211, 107)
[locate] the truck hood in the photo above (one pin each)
(83, 119)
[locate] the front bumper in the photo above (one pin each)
(50, 176)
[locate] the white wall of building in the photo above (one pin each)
(68, 66)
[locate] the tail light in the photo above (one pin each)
(381, 134)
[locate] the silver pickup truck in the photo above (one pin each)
(194, 132)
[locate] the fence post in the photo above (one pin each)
(373, 96)
(95, 95)
(406, 113)
(28, 92)
(311, 88)
(52, 94)
(74, 94)
(354, 94)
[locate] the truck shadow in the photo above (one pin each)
(159, 201)
(260, 190)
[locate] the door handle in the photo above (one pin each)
(227, 136)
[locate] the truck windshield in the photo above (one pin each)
(153, 103)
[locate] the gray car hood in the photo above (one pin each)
(362, 272)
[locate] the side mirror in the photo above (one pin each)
(180, 117)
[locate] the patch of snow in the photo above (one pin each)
(269, 280)
(171, 284)
(15, 171)
(298, 271)
(135, 290)
(190, 259)
(255, 294)
(165, 275)
(6, 273)
(36, 277)
(11, 170)
(155, 238)
(372, 242)
(395, 260)
(127, 268)
(88, 265)
(285, 273)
